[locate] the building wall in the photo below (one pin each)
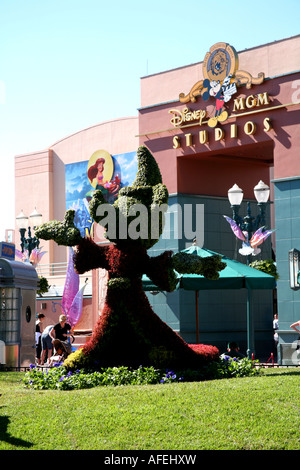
(287, 214)
(276, 58)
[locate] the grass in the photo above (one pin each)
(251, 413)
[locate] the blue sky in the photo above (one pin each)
(69, 64)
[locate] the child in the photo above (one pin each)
(60, 353)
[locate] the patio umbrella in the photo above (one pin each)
(235, 276)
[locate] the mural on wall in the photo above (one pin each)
(103, 171)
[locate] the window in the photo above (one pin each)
(9, 315)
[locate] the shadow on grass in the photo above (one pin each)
(275, 374)
(6, 437)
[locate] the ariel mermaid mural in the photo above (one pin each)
(101, 173)
(104, 172)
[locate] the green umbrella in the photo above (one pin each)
(235, 275)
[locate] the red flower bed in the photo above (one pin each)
(209, 353)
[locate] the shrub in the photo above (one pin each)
(60, 378)
(73, 358)
(267, 266)
(43, 286)
(228, 367)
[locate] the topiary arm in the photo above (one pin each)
(89, 255)
(209, 267)
(63, 233)
(160, 270)
(96, 201)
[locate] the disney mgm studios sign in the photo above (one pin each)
(221, 81)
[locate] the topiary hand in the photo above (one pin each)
(63, 233)
(193, 264)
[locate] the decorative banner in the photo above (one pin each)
(103, 278)
(72, 299)
(75, 311)
(71, 284)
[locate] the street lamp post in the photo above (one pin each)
(249, 225)
(30, 242)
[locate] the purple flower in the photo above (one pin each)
(57, 364)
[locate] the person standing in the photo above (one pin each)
(47, 346)
(275, 334)
(38, 336)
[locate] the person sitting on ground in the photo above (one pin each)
(233, 350)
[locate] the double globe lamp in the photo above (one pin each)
(30, 242)
(249, 223)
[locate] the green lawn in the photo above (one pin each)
(253, 413)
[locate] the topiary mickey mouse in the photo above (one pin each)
(128, 332)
